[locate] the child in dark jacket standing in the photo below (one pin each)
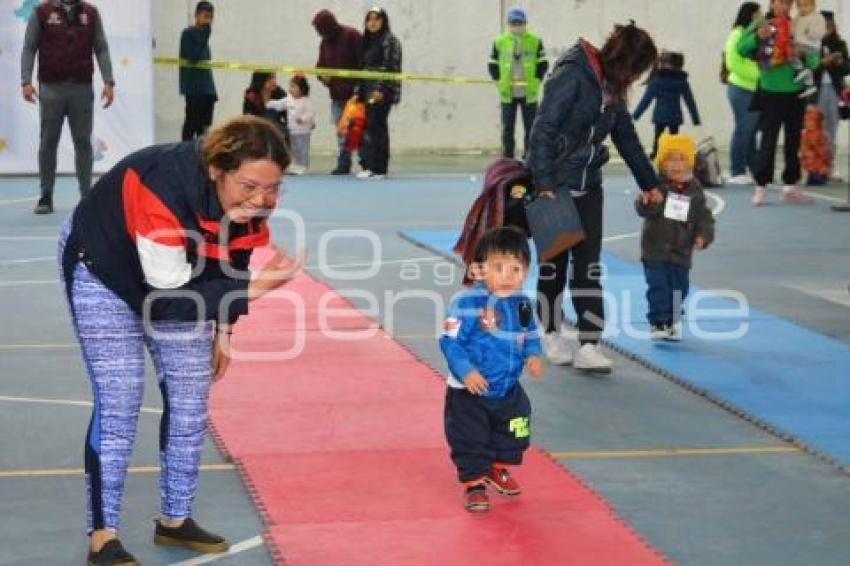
(489, 338)
(672, 229)
(668, 85)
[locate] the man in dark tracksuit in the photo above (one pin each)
(197, 84)
(65, 33)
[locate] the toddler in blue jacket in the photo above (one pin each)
(489, 338)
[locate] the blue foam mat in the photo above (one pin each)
(789, 378)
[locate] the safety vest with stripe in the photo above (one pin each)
(530, 46)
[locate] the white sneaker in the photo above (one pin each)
(740, 180)
(557, 349)
(792, 194)
(674, 332)
(365, 174)
(589, 358)
(759, 196)
(659, 332)
(297, 170)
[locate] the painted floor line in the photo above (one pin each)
(66, 402)
(26, 260)
(816, 196)
(17, 200)
(241, 546)
(28, 238)
(720, 203)
(30, 282)
(37, 346)
(673, 452)
(61, 472)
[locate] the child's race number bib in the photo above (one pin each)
(677, 207)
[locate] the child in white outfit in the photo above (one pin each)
(809, 28)
(301, 123)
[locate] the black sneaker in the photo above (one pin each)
(191, 535)
(112, 553)
(44, 206)
(341, 171)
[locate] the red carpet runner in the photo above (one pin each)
(343, 451)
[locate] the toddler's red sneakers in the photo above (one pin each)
(476, 498)
(502, 482)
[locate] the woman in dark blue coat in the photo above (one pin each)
(668, 86)
(584, 102)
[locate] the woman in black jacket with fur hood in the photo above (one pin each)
(382, 53)
(584, 101)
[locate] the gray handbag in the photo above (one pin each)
(554, 224)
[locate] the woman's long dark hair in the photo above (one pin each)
(745, 14)
(627, 54)
(258, 80)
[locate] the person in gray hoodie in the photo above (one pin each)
(584, 101)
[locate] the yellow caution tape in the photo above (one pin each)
(321, 71)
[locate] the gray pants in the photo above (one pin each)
(828, 104)
(56, 102)
(300, 144)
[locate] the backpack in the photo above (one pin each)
(707, 166)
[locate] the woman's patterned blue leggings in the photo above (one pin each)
(113, 339)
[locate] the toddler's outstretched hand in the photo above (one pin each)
(534, 365)
(475, 383)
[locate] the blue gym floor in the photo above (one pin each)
(704, 484)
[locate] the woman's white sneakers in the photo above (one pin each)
(557, 349)
(368, 175)
(589, 358)
(743, 179)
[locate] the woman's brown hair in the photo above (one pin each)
(244, 138)
(627, 54)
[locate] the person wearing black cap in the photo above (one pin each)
(835, 65)
(197, 85)
(381, 52)
(517, 64)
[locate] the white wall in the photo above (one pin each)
(446, 37)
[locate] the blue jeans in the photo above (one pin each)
(742, 148)
(667, 287)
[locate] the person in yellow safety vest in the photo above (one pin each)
(517, 64)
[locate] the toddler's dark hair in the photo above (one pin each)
(671, 60)
(303, 86)
(504, 240)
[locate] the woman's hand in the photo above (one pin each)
(278, 271)
(221, 353)
(652, 196)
